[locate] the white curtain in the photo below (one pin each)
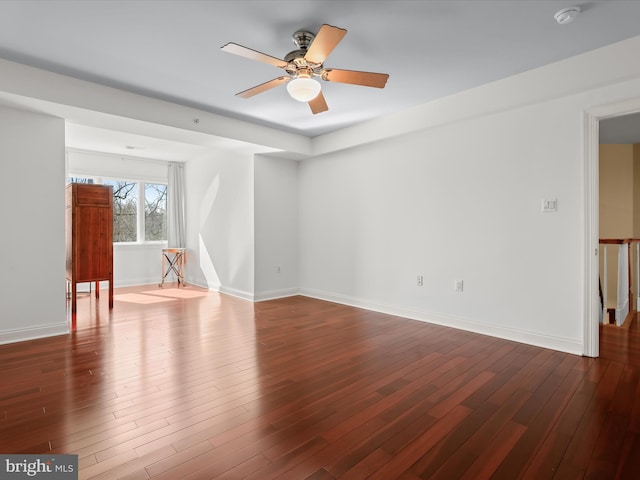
(175, 206)
(622, 303)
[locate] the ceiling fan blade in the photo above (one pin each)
(263, 87)
(318, 104)
(253, 55)
(323, 44)
(367, 79)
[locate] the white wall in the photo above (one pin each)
(220, 222)
(276, 227)
(616, 189)
(452, 190)
(137, 265)
(32, 253)
(459, 202)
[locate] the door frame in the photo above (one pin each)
(592, 117)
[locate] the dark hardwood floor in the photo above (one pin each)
(185, 384)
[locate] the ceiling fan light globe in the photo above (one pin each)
(303, 89)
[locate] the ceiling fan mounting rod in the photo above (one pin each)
(302, 39)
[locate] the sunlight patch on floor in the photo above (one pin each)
(141, 298)
(176, 293)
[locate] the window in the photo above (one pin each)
(155, 212)
(139, 209)
(125, 210)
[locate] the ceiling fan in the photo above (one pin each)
(305, 63)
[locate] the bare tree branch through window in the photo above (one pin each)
(155, 212)
(125, 207)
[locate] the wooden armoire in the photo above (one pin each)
(89, 237)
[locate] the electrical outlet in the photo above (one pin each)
(420, 280)
(549, 205)
(459, 285)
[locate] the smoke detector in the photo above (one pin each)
(567, 15)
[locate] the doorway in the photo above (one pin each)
(592, 308)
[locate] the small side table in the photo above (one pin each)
(173, 260)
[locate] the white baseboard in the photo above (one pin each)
(275, 294)
(132, 282)
(33, 333)
(521, 336)
(199, 285)
(236, 293)
(216, 288)
(257, 297)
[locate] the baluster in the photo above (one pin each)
(636, 279)
(605, 316)
(622, 294)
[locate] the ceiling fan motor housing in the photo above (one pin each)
(297, 64)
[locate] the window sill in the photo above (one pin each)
(127, 245)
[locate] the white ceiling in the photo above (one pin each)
(171, 50)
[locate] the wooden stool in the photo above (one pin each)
(173, 260)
